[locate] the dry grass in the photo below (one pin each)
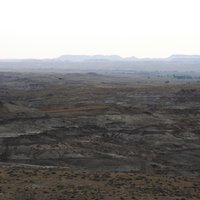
(22, 183)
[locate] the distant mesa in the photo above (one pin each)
(184, 58)
(106, 58)
(115, 58)
(82, 58)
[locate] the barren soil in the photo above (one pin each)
(105, 137)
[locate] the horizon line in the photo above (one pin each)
(93, 55)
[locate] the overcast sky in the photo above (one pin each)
(142, 28)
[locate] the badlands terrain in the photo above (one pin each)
(99, 136)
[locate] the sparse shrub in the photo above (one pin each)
(25, 195)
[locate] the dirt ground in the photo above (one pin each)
(91, 136)
(31, 183)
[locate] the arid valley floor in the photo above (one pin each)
(99, 136)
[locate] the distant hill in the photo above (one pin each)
(114, 58)
(105, 58)
(102, 64)
(82, 58)
(184, 58)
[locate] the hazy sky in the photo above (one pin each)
(142, 28)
